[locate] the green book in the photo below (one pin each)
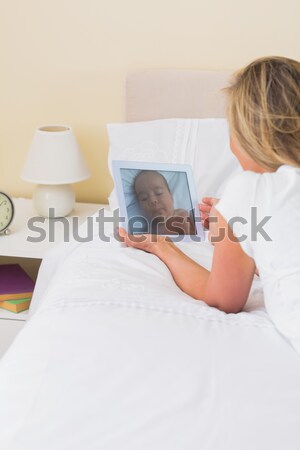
(16, 305)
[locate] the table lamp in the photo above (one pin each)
(53, 162)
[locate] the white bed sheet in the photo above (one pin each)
(122, 359)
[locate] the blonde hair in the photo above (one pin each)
(264, 111)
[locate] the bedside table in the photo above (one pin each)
(16, 248)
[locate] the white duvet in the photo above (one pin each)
(116, 357)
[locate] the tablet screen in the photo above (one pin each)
(157, 198)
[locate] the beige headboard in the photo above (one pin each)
(161, 94)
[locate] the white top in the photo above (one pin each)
(270, 203)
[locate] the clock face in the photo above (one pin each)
(6, 211)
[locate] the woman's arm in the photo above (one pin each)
(226, 287)
(232, 271)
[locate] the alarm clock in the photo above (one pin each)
(6, 212)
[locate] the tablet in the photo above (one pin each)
(158, 199)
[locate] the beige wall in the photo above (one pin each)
(64, 61)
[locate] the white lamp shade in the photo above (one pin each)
(54, 157)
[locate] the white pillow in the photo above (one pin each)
(202, 143)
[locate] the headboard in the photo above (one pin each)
(161, 94)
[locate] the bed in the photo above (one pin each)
(114, 356)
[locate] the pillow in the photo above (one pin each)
(202, 143)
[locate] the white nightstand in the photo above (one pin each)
(16, 247)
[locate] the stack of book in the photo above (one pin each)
(16, 288)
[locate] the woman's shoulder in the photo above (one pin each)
(269, 189)
(245, 182)
(244, 177)
(284, 181)
(241, 185)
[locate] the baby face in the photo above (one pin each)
(153, 195)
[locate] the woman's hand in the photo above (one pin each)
(151, 243)
(205, 209)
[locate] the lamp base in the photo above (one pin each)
(53, 200)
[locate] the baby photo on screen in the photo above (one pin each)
(162, 211)
(158, 198)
